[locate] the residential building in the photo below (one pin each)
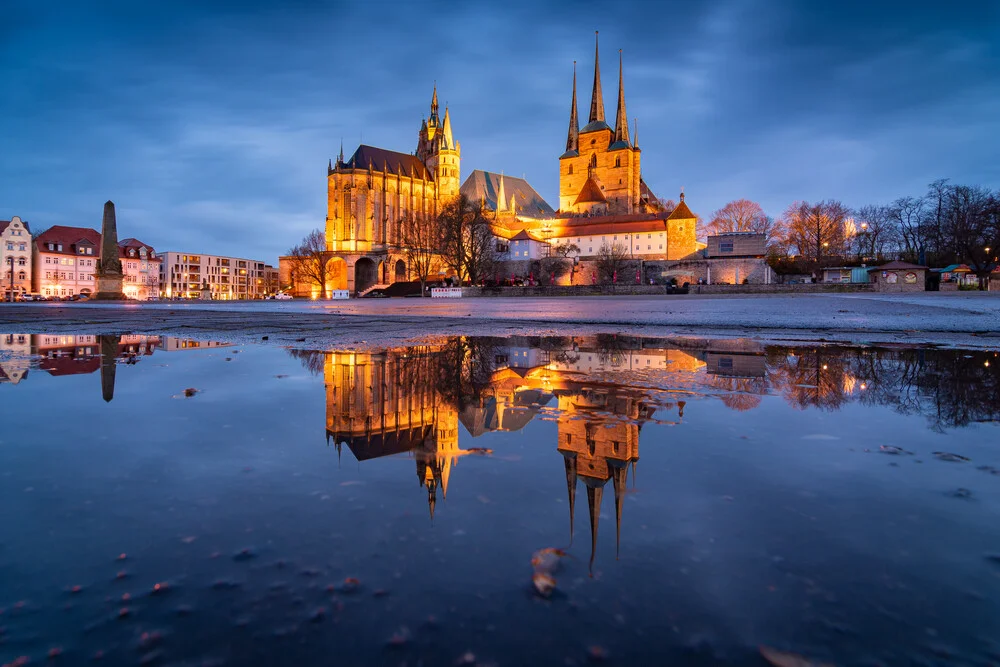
(15, 256)
(64, 261)
(140, 269)
(188, 275)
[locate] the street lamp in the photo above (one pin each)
(11, 260)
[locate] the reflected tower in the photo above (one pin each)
(109, 360)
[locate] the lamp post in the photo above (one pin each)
(11, 260)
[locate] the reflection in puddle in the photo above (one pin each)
(838, 502)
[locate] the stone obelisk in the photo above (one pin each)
(109, 271)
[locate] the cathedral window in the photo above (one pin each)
(618, 163)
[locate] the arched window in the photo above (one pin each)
(21, 275)
(593, 159)
(618, 162)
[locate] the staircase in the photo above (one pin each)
(376, 286)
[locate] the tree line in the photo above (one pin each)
(948, 224)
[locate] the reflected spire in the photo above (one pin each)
(621, 482)
(594, 496)
(569, 460)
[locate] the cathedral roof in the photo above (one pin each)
(590, 193)
(395, 163)
(482, 185)
(596, 125)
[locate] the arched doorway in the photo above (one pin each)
(336, 275)
(400, 271)
(365, 274)
(382, 273)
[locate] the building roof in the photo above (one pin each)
(525, 235)
(591, 193)
(682, 212)
(595, 228)
(403, 164)
(595, 126)
(954, 268)
(896, 265)
(5, 223)
(69, 238)
(485, 185)
(125, 244)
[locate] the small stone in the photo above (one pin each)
(124, 612)
(263, 337)
(597, 653)
(467, 658)
(121, 574)
(189, 392)
(160, 588)
(55, 652)
(76, 589)
(948, 456)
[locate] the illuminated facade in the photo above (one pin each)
(15, 256)
(65, 260)
(140, 269)
(192, 276)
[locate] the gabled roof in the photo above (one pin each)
(524, 235)
(590, 193)
(896, 265)
(69, 237)
(485, 185)
(395, 163)
(5, 223)
(125, 244)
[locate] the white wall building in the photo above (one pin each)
(65, 260)
(183, 274)
(140, 269)
(15, 243)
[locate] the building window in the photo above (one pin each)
(725, 246)
(10, 246)
(20, 261)
(649, 247)
(618, 163)
(571, 170)
(661, 246)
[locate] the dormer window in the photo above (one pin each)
(52, 246)
(59, 247)
(131, 252)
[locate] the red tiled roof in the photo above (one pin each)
(68, 237)
(591, 193)
(125, 244)
(682, 212)
(594, 228)
(523, 235)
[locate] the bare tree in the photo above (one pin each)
(611, 260)
(420, 237)
(309, 261)
(455, 220)
(743, 215)
(875, 232)
(481, 255)
(907, 214)
(817, 231)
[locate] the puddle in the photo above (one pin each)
(503, 501)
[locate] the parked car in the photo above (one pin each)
(281, 296)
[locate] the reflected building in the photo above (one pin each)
(386, 403)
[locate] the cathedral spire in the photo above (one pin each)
(597, 99)
(340, 158)
(573, 139)
(434, 102)
(621, 120)
(501, 197)
(449, 140)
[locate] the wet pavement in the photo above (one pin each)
(559, 500)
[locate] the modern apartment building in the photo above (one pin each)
(15, 256)
(188, 275)
(65, 259)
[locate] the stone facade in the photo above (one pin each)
(16, 252)
(899, 277)
(372, 192)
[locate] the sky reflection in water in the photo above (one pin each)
(712, 496)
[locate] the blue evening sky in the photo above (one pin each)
(210, 122)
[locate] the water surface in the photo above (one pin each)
(187, 502)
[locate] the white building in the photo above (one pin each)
(184, 275)
(140, 269)
(65, 260)
(15, 244)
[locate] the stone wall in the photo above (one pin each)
(895, 280)
(777, 288)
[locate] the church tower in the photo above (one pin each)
(599, 172)
(437, 149)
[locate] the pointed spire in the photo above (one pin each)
(513, 203)
(596, 99)
(501, 197)
(621, 482)
(329, 166)
(635, 135)
(573, 137)
(340, 158)
(449, 140)
(434, 103)
(594, 495)
(570, 463)
(621, 120)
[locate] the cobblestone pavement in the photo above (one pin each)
(952, 319)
